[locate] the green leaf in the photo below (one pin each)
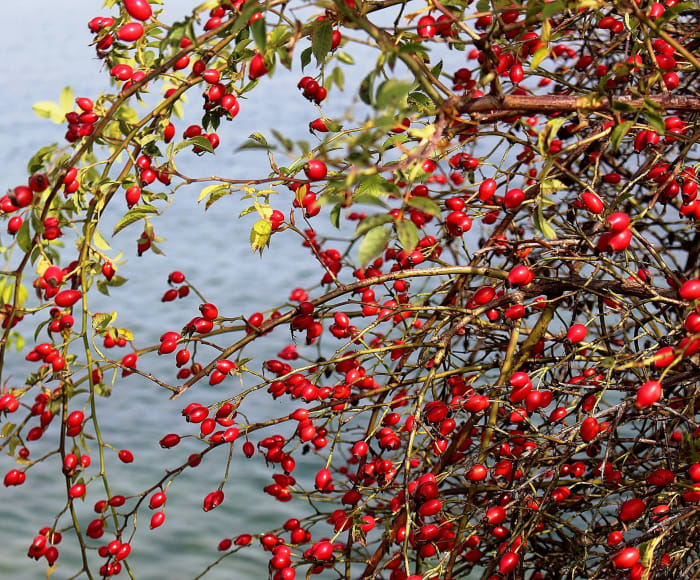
(24, 240)
(209, 189)
(420, 101)
(305, 57)
(338, 77)
(549, 9)
(656, 121)
(38, 159)
(335, 215)
(102, 320)
(543, 225)
(248, 9)
(622, 107)
(49, 110)
(540, 54)
(343, 56)
(619, 132)
(426, 205)
(372, 222)
(392, 92)
(259, 34)
(199, 141)
(321, 39)
(373, 244)
(65, 100)
(483, 6)
(551, 185)
(408, 235)
(375, 185)
(129, 218)
(548, 134)
(260, 235)
(99, 241)
(366, 88)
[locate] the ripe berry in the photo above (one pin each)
(648, 394)
(138, 9)
(130, 32)
(577, 333)
(426, 27)
(126, 456)
(315, 170)
(626, 558)
(257, 67)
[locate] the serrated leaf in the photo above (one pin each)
(426, 205)
(373, 244)
(199, 141)
(619, 132)
(420, 101)
(392, 92)
(65, 100)
(209, 189)
(656, 121)
(102, 320)
(375, 185)
(126, 333)
(99, 241)
(49, 110)
(258, 29)
(260, 235)
(407, 233)
(321, 39)
(372, 222)
(551, 185)
(129, 218)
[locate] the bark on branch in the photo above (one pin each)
(567, 103)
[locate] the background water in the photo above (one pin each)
(44, 47)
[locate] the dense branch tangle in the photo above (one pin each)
(497, 370)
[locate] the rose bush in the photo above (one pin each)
(495, 368)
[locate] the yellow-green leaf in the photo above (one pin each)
(260, 235)
(49, 110)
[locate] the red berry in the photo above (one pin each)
(130, 31)
(626, 558)
(139, 9)
(315, 170)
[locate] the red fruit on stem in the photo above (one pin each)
(138, 9)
